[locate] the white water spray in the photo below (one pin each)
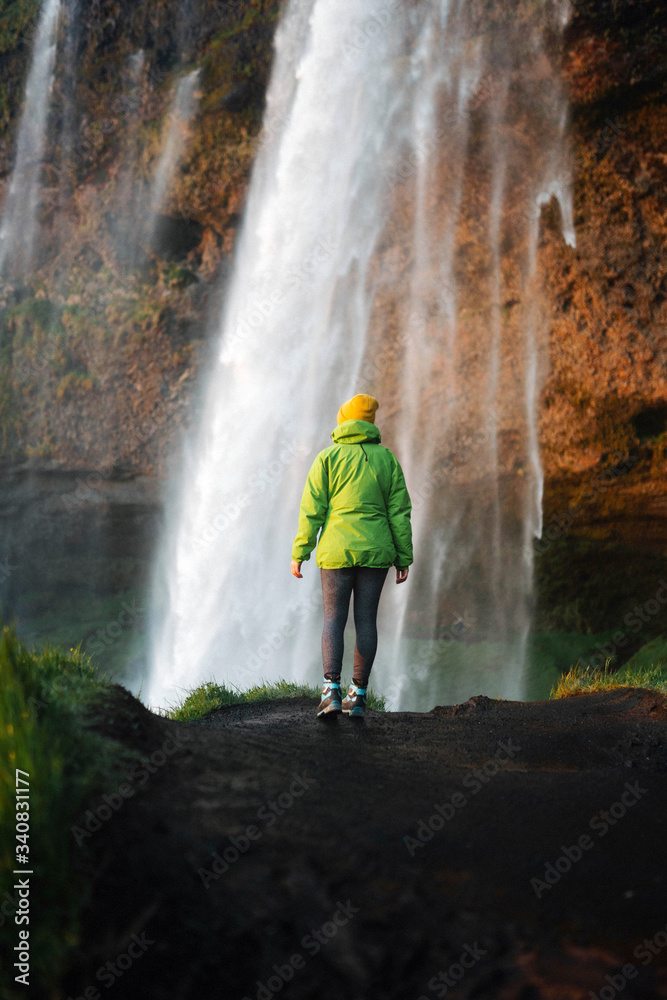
(19, 216)
(179, 117)
(487, 134)
(391, 178)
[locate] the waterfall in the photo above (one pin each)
(138, 205)
(19, 216)
(178, 121)
(389, 246)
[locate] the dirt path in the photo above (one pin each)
(407, 856)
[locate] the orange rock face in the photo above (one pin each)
(605, 397)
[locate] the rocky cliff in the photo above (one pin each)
(606, 395)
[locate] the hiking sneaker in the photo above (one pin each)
(355, 701)
(330, 698)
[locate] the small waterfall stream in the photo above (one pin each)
(179, 116)
(486, 140)
(19, 225)
(19, 215)
(389, 246)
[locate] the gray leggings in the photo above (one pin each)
(337, 585)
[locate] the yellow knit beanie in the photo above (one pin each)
(361, 407)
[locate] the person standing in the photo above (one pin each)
(356, 495)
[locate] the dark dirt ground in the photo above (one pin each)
(407, 915)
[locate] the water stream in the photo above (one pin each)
(179, 116)
(19, 215)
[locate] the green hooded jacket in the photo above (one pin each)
(356, 493)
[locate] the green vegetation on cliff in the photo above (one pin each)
(580, 680)
(17, 23)
(47, 700)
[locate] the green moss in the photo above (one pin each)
(653, 653)
(17, 19)
(176, 277)
(256, 14)
(47, 700)
(551, 653)
(35, 313)
(580, 680)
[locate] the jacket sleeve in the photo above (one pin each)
(399, 509)
(314, 506)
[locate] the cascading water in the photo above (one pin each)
(486, 145)
(139, 206)
(19, 216)
(178, 120)
(389, 246)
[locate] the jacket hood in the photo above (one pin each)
(356, 432)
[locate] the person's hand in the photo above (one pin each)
(296, 569)
(401, 575)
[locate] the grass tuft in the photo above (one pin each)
(47, 701)
(580, 680)
(210, 696)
